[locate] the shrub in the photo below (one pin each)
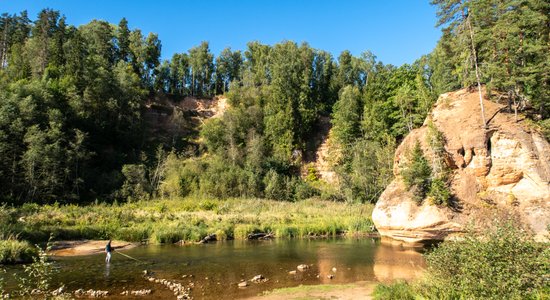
(277, 187)
(396, 291)
(503, 263)
(37, 275)
(14, 251)
(303, 190)
(545, 128)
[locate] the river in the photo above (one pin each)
(215, 269)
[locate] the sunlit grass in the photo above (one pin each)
(190, 219)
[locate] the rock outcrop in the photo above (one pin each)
(502, 169)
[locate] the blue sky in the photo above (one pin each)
(396, 31)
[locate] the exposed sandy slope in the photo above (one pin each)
(85, 247)
(205, 108)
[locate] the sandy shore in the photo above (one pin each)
(86, 247)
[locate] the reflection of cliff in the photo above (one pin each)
(392, 261)
(328, 258)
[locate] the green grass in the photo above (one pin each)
(308, 292)
(188, 219)
(399, 290)
(15, 251)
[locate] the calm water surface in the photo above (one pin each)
(217, 268)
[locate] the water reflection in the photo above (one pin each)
(217, 268)
(395, 260)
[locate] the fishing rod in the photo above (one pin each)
(128, 256)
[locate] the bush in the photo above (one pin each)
(14, 251)
(38, 275)
(303, 190)
(545, 128)
(277, 187)
(396, 291)
(503, 263)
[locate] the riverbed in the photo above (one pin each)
(214, 270)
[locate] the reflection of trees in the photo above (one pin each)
(393, 260)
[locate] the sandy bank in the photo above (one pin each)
(86, 247)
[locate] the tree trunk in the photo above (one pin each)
(477, 71)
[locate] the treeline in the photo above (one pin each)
(72, 104)
(257, 148)
(508, 39)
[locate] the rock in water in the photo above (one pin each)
(504, 168)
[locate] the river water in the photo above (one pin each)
(217, 268)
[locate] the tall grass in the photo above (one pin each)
(15, 251)
(189, 219)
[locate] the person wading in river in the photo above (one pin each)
(108, 250)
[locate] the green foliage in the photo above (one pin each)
(304, 190)
(346, 116)
(545, 126)
(503, 262)
(81, 108)
(510, 41)
(191, 218)
(2, 291)
(439, 193)
(38, 275)
(399, 290)
(416, 173)
(277, 187)
(14, 251)
(135, 185)
(368, 171)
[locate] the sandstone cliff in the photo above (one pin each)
(501, 170)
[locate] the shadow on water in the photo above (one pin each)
(217, 268)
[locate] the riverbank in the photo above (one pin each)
(186, 220)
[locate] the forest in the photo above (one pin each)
(73, 101)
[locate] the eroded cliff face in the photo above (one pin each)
(501, 170)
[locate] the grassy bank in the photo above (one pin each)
(189, 219)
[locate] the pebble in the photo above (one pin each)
(243, 284)
(334, 269)
(141, 292)
(330, 276)
(293, 272)
(179, 290)
(59, 291)
(302, 267)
